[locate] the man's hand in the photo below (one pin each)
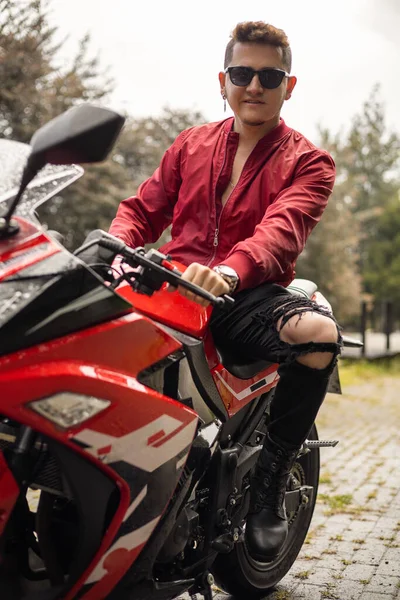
(206, 278)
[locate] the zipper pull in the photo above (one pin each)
(215, 243)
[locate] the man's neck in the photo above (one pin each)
(251, 134)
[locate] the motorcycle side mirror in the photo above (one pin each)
(83, 134)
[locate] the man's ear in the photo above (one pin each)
(292, 80)
(222, 78)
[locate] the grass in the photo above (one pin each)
(303, 574)
(325, 478)
(329, 592)
(360, 371)
(282, 595)
(391, 545)
(336, 503)
(336, 538)
(387, 539)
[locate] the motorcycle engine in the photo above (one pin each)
(177, 540)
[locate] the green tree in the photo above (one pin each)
(368, 160)
(144, 141)
(33, 87)
(382, 278)
(331, 257)
(371, 160)
(344, 245)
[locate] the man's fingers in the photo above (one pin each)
(205, 278)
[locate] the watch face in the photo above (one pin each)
(228, 271)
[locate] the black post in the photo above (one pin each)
(363, 326)
(388, 323)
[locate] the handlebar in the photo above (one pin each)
(157, 265)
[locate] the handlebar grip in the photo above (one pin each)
(112, 243)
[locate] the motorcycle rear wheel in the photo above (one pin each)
(238, 574)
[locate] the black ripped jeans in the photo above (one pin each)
(248, 332)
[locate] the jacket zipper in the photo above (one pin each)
(217, 225)
(216, 232)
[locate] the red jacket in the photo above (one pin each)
(263, 227)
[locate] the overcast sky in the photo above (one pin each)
(169, 52)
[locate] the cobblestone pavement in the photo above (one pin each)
(352, 550)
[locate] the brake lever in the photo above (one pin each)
(136, 257)
(171, 273)
(219, 301)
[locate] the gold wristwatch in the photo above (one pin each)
(229, 275)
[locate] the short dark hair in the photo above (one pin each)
(258, 32)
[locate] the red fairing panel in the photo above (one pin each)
(154, 455)
(127, 345)
(170, 308)
(25, 248)
(236, 392)
(9, 493)
(141, 440)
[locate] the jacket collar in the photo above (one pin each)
(276, 134)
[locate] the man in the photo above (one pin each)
(243, 195)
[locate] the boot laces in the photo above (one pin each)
(271, 489)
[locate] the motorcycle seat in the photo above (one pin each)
(241, 367)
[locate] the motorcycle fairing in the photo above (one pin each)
(51, 294)
(9, 490)
(238, 392)
(141, 440)
(150, 459)
(170, 308)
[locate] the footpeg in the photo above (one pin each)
(223, 543)
(310, 444)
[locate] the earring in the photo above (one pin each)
(224, 99)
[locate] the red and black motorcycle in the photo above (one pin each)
(116, 407)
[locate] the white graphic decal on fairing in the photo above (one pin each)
(143, 448)
(246, 392)
(147, 448)
(135, 503)
(128, 542)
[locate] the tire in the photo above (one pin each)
(238, 574)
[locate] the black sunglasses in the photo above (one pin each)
(270, 78)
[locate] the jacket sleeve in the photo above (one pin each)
(282, 234)
(142, 218)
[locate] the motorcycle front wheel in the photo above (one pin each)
(242, 576)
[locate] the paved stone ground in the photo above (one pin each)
(352, 550)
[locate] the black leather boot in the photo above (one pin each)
(266, 526)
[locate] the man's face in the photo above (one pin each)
(253, 104)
